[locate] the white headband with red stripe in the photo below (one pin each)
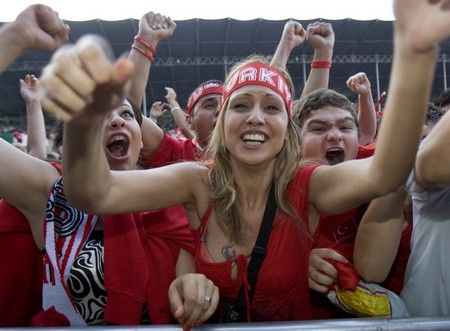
(260, 74)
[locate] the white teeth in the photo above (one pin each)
(254, 138)
(117, 137)
(251, 142)
(334, 150)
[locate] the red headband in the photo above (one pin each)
(201, 91)
(260, 74)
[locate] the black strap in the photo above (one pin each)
(260, 249)
(237, 312)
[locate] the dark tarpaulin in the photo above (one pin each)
(202, 49)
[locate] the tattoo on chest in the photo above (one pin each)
(229, 252)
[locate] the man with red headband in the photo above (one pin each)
(202, 109)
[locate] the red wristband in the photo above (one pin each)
(148, 55)
(321, 64)
(145, 43)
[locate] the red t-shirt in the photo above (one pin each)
(174, 150)
(366, 151)
(339, 231)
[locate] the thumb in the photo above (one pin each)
(178, 312)
(336, 256)
(176, 302)
(123, 69)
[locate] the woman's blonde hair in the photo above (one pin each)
(224, 194)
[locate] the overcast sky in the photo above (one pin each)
(80, 10)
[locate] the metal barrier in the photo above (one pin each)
(356, 324)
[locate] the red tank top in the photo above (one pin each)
(281, 290)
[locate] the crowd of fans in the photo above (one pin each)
(259, 205)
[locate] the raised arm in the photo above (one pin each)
(37, 140)
(432, 168)
(84, 103)
(153, 28)
(178, 114)
(293, 35)
(320, 36)
(25, 181)
(419, 27)
(38, 26)
(367, 118)
(378, 237)
(157, 110)
(152, 134)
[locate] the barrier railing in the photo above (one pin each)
(357, 324)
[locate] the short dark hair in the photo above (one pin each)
(443, 99)
(136, 110)
(433, 114)
(319, 99)
(59, 134)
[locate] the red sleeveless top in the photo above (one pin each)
(281, 290)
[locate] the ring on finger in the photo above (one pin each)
(207, 298)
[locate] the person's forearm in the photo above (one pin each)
(152, 137)
(318, 77)
(400, 131)
(140, 78)
(84, 161)
(10, 48)
(378, 237)
(37, 140)
(282, 53)
(367, 119)
(180, 120)
(185, 263)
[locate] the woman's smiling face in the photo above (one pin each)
(255, 124)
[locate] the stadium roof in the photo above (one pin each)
(203, 49)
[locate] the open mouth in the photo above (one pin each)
(118, 146)
(335, 156)
(254, 139)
